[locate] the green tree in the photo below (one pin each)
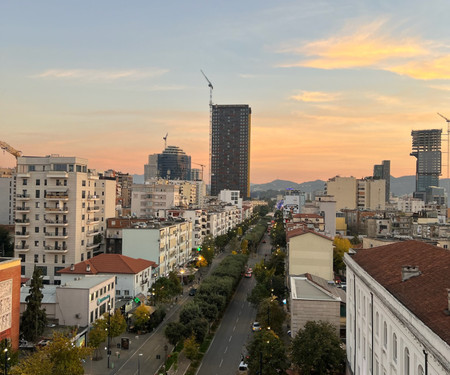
(208, 249)
(12, 355)
(97, 335)
(34, 318)
(208, 310)
(235, 244)
(191, 348)
(199, 327)
(175, 284)
(341, 246)
(116, 324)
(189, 313)
(266, 350)
(61, 356)
(174, 332)
(6, 243)
(271, 314)
(165, 288)
(316, 349)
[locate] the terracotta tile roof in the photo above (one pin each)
(110, 263)
(424, 295)
(300, 231)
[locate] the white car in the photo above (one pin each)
(256, 327)
(243, 366)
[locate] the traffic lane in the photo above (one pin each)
(225, 351)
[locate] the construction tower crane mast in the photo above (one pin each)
(6, 147)
(165, 141)
(201, 165)
(448, 143)
(210, 122)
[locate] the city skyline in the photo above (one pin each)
(334, 87)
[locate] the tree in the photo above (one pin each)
(61, 356)
(34, 318)
(118, 323)
(208, 249)
(199, 328)
(271, 314)
(141, 317)
(208, 310)
(6, 243)
(97, 335)
(316, 349)
(266, 350)
(235, 244)
(12, 355)
(191, 348)
(189, 313)
(174, 332)
(341, 246)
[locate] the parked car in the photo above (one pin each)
(192, 291)
(248, 274)
(256, 327)
(243, 368)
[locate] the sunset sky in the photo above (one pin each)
(334, 86)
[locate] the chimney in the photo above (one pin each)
(410, 271)
(88, 268)
(72, 267)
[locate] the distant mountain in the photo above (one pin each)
(403, 185)
(282, 185)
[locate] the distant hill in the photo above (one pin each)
(399, 185)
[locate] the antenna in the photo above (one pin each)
(165, 141)
(448, 142)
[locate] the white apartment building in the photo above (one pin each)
(231, 196)
(398, 310)
(148, 198)
(409, 204)
(61, 207)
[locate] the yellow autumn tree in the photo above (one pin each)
(341, 246)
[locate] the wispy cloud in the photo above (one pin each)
(100, 75)
(315, 97)
(374, 46)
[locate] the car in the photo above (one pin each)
(249, 269)
(264, 241)
(192, 291)
(243, 367)
(256, 327)
(248, 274)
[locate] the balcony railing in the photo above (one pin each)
(56, 195)
(59, 248)
(57, 222)
(23, 221)
(22, 196)
(23, 208)
(93, 208)
(56, 209)
(92, 245)
(93, 221)
(92, 197)
(22, 247)
(47, 234)
(22, 233)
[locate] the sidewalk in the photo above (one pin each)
(119, 357)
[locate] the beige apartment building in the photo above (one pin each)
(61, 208)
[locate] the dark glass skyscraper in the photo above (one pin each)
(172, 164)
(383, 172)
(230, 148)
(426, 147)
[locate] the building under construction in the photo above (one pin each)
(426, 147)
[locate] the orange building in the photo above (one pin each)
(10, 300)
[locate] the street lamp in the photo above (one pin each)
(6, 357)
(139, 363)
(109, 330)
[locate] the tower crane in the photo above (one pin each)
(210, 88)
(165, 141)
(448, 143)
(6, 147)
(210, 122)
(201, 165)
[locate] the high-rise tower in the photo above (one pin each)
(172, 164)
(426, 147)
(383, 172)
(230, 148)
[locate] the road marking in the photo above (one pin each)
(234, 328)
(225, 350)
(237, 320)
(221, 363)
(230, 338)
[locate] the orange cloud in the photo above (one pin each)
(437, 68)
(315, 96)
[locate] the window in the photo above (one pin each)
(56, 258)
(57, 269)
(92, 316)
(377, 318)
(126, 292)
(38, 182)
(36, 258)
(420, 370)
(63, 259)
(394, 347)
(83, 183)
(37, 204)
(117, 292)
(43, 270)
(385, 335)
(36, 243)
(22, 257)
(82, 257)
(406, 369)
(43, 258)
(36, 217)
(24, 181)
(38, 193)
(22, 270)
(36, 229)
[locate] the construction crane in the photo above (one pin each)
(165, 141)
(6, 147)
(201, 165)
(210, 88)
(448, 143)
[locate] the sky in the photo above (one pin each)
(334, 86)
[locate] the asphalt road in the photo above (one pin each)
(224, 354)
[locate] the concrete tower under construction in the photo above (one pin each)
(426, 147)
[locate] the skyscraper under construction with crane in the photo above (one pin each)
(230, 148)
(426, 147)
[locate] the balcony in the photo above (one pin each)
(61, 196)
(92, 245)
(56, 223)
(93, 209)
(22, 234)
(92, 197)
(55, 249)
(57, 210)
(57, 174)
(23, 209)
(57, 235)
(22, 247)
(91, 233)
(23, 221)
(22, 197)
(94, 220)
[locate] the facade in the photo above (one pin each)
(230, 149)
(152, 196)
(311, 299)
(171, 164)
(132, 276)
(231, 196)
(426, 148)
(383, 172)
(78, 302)
(61, 208)
(309, 252)
(344, 191)
(10, 284)
(398, 310)
(7, 188)
(371, 194)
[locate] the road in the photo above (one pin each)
(224, 354)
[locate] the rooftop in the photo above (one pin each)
(424, 295)
(301, 231)
(109, 263)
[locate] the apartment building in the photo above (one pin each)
(154, 195)
(398, 310)
(7, 188)
(60, 213)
